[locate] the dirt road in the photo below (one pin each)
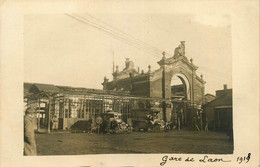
(136, 142)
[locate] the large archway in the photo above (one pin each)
(159, 84)
(180, 95)
(180, 87)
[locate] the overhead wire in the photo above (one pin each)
(207, 74)
(208, 69)
(113, 34)
(126, 41)
(129, 35)
(215, 75)
(134, 42)
(217, 72)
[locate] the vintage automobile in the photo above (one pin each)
(112, 123)
(145, 119)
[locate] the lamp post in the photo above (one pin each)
(38, 114)
(191, 60)
(163, 88)
(49, 117)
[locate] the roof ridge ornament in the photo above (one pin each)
(191, 61)
(163, 53)
(149, 69)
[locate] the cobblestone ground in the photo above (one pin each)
(135, 142)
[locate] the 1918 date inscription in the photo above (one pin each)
(204, 159)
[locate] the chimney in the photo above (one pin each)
(127, 63)
(225, 86)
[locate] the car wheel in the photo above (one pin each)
(116, 130)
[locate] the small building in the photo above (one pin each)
(219, 111)
(208, 98)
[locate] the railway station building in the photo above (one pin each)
(129, 89)
(180, 100)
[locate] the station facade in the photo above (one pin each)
(129, 89)
(182, 100)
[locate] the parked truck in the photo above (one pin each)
(145, 119)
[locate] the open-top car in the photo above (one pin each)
(112, 122)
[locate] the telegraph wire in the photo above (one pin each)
(208, 69)
(208, 74)
(147, 43)
(120, 33)
(134, 43)
(114, 34)
(216, 75)
(131, 36)
(107, 31)
(220, 73)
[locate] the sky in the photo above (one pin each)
(61, 50)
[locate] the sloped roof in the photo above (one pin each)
(49, 89)
(208, 98)
(113, 84)
(27, 86)
(230, 106)
(46, 87)
(224, 100)
(69, 89)
(210, 95)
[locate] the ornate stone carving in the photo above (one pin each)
(180, 50)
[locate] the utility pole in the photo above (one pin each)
(163, 88)
(49, 117)
(38, 114)
(201, 128)
(63, 120)
(192, 82)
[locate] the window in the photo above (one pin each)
(82, 110)
(73, 111)
(66, 113)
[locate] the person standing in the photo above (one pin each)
(55, 121)
(108, 125)
(29, 137)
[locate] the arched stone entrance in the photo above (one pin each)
(186, 86)
(194, 86)
(180, 95)
(157, 84)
